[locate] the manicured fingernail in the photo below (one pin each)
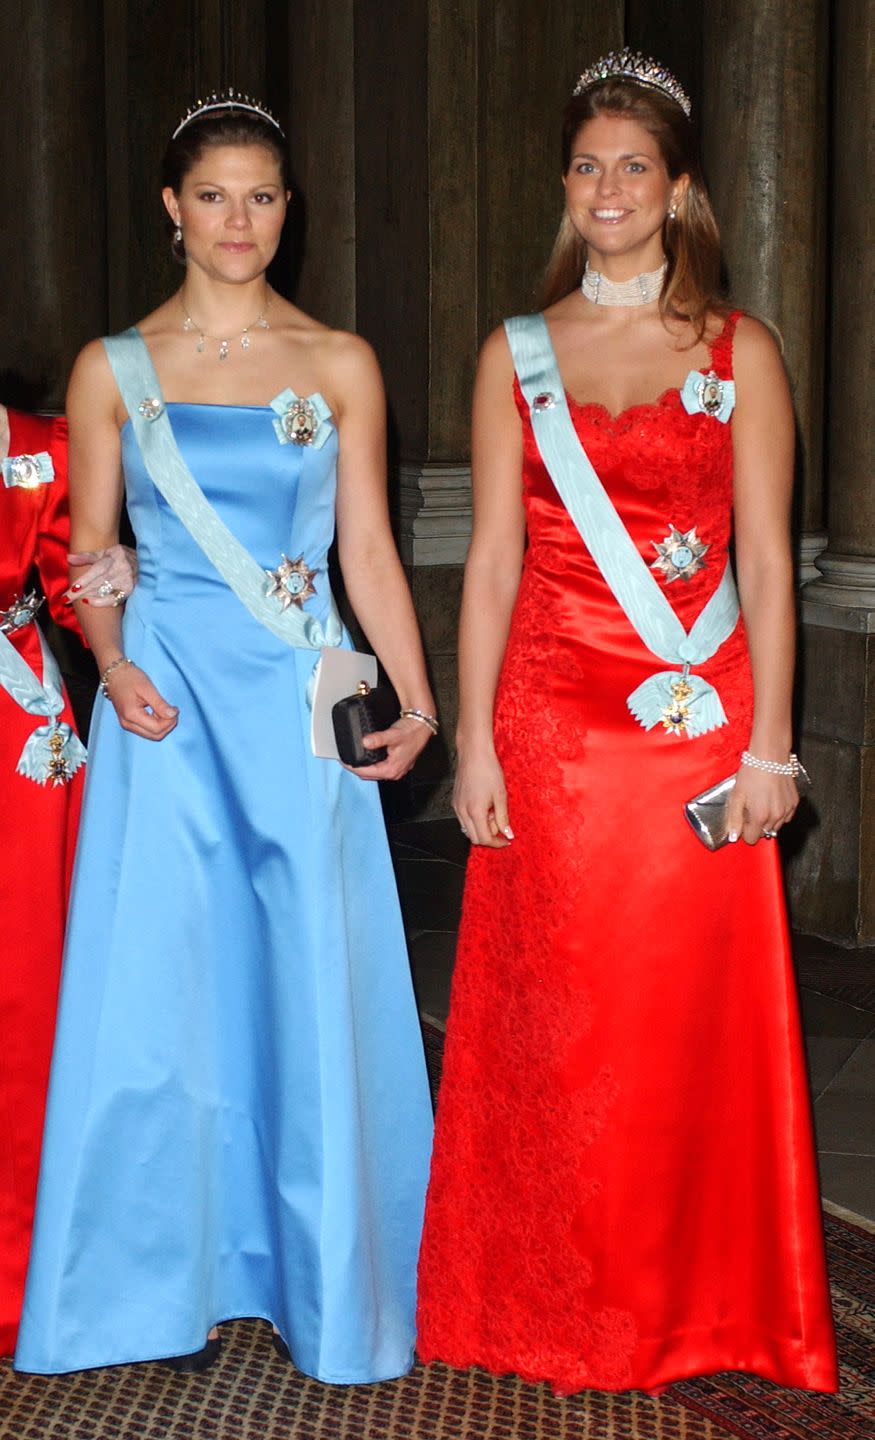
(76, 587)
(85, 600)
(508, 833)
(733, 836)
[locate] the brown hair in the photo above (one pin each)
(692, 241)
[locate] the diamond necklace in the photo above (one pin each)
(640, 290)
(260, 322)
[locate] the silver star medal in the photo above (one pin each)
(291, 582)
(20, 612)
(680, 555)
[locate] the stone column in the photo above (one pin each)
(833, 878)
(457, 199)
(764, 85)
(52, 195)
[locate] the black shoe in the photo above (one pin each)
(281, 1347)
(197, 1362)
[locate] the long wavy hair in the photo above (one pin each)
(692, 287)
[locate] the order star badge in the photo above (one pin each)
(292, 582)
(680, 555)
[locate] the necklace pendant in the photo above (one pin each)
(244, 340)
(224, 350)
(263, 323)
(201, 345)
(188, 324)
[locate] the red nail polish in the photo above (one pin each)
(77, 586)
(85, 600)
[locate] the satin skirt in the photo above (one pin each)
(624, 1189)
(239, 1121)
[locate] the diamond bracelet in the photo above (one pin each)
(430, 720)
(774, 767)
(114, 665)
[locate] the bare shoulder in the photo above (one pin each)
(756, 352)
(92, 388)
(495, 357)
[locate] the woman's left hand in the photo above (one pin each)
(760, 804)
(405, 741)
(109, 579)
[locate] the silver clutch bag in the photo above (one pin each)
(707, 812)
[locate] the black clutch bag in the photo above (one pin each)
(359, 715)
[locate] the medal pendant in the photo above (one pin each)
(675, 715)
(57, 770)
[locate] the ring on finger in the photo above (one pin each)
(770, 834)
(463, 830)
(105, 589)
(120, 597)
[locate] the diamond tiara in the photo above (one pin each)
(230, 99)
(632, 65)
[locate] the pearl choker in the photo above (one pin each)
(640, 290)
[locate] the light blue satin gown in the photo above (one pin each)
(239, 1121)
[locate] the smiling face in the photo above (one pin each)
(617, 194)
(231, 206)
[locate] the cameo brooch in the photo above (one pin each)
(708, 395)
(301, 419)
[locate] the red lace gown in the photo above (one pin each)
(37, 835)
(623, 1189)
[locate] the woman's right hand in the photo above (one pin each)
(138, 705)
(480, 801)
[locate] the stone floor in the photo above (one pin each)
(837, 989)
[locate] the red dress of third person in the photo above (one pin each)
(38, 820)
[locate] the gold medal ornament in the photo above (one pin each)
(675, 715)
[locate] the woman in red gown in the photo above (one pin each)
(623, 1187)
(38, 820)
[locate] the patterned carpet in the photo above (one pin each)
(251, 1395)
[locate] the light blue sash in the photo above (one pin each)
(634, 585)
(138, 385)
(53, 752)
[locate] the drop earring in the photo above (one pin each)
(177, 235)
(672, 212)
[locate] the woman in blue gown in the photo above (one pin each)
(239, 1121)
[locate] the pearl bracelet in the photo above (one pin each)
(430, 720)
(774, 767)
(113, 665)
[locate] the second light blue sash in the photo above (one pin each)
(684, 703)
(138, 385)
(52, 751)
